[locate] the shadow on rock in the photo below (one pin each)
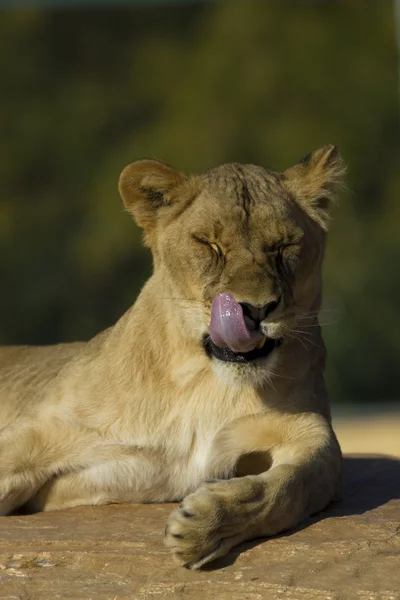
(369, 482)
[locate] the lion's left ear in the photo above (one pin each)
(313, 182)
(146, 186)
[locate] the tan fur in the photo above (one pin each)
(142, 414)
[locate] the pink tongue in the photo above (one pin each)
(228, 327)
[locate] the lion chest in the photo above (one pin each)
(189, 438)
(174, 433)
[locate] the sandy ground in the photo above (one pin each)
(371, 434)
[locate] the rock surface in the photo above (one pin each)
(350, 551)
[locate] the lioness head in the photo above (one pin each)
(237, 250)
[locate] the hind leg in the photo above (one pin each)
(123, 479)
(31, 451)
(35, 452)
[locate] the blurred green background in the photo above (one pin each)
(85, 90)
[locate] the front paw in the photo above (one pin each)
(214, 519)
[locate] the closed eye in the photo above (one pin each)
(279, 249)
(217, 249)
(288, 256)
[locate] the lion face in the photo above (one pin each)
(238, 250)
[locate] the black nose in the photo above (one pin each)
(257, 313)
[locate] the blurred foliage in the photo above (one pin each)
(84, 92)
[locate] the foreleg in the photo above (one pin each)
(304, 476)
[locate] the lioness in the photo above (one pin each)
(210, 388)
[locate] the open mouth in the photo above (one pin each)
(227, 355)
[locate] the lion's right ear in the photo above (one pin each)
(147, 185)
(314, 181)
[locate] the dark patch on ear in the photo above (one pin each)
(305, 158)
(154, 196)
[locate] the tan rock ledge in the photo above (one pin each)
(350, 551)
